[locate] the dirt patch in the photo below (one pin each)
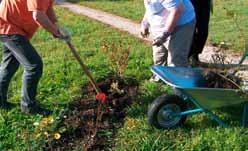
(89, 124)
(221, 79)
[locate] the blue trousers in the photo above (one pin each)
(19, 51)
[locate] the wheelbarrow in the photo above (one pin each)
(170, 110)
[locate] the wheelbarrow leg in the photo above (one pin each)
(245, 115)
(216, 118)
(211, 114)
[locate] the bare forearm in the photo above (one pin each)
(43, 20)
(174, 15)
(144, 22)
(51, 15)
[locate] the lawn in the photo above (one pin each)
(222, 26)
(63, 80)
(132, 9)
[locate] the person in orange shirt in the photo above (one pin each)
(19, 20)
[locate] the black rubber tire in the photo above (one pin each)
(163, 101)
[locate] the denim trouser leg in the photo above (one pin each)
(22, 50)
(8, 68)
(179, 43)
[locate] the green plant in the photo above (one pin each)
(118, 55)
(235, 18)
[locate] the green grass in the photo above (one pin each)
(132, 9)
(62, 81)
(222, 25)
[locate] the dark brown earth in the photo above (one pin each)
(221, 79)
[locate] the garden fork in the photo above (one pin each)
(67, 38)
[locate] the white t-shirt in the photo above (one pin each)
(157, 12)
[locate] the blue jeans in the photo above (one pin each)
(18, 50)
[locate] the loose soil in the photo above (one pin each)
(221, 79)
(91, 124)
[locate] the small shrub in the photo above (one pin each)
(118, 55)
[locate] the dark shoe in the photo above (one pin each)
(6, 105)
(195, 58)
(35, 109)
(195, 61)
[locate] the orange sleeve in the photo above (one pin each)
(40, 5)
(52, 2)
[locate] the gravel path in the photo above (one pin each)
(133, 28)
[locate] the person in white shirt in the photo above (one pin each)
(171, 24)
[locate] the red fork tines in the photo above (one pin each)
(101, 97)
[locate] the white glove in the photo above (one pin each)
(144, 30)
(66, 35)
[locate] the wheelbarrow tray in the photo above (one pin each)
(210, 98)
(191, 83)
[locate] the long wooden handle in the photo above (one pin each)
(85, 69)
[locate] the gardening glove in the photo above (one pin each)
(144, 30)
(160, 40)
(66, 35)
(57, 34)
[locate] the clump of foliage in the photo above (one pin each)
(118, 55)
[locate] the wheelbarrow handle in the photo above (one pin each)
(83, 66)
(245, 54)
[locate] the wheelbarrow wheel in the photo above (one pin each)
(160, 114)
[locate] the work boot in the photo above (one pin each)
(6, 105)
(35, 109)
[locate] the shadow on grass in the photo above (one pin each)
(234, 113)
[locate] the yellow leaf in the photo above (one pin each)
(57, 136)
(44, 121)
(50, 120)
